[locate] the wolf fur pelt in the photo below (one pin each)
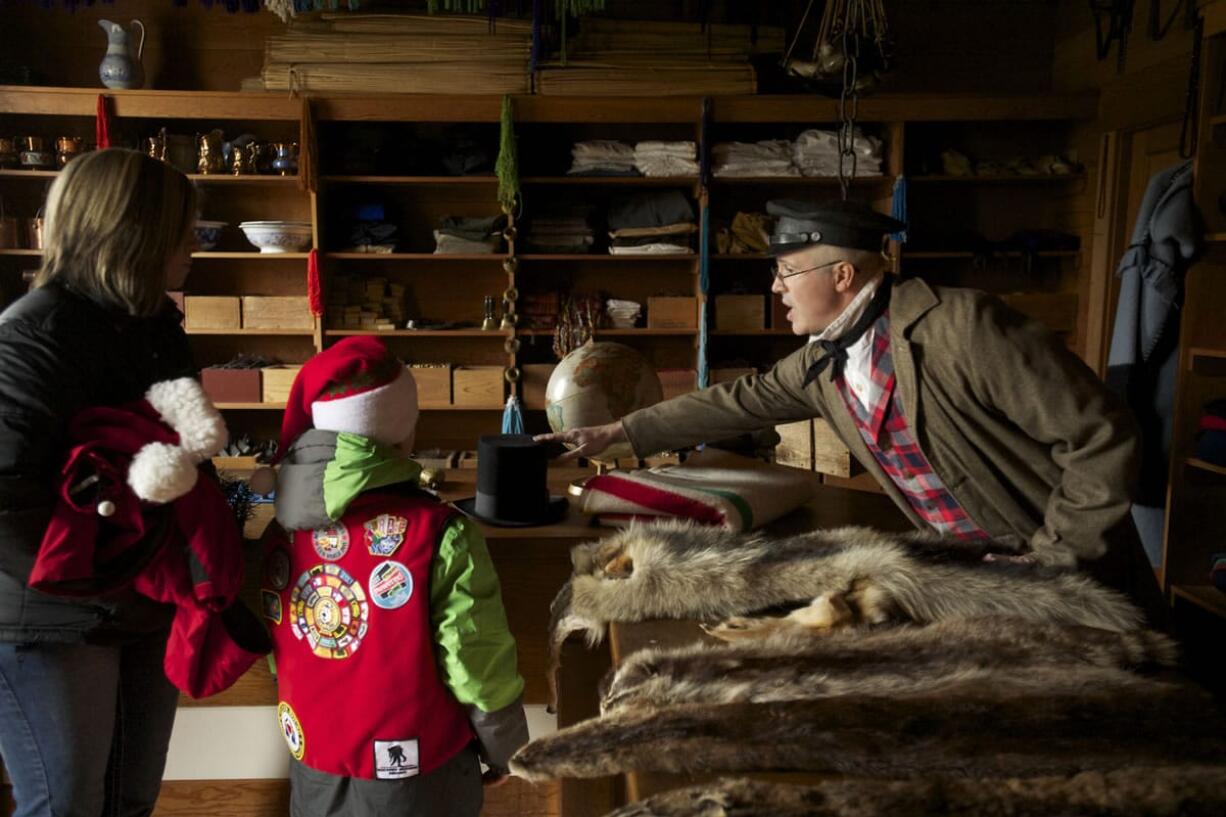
(1039, 722)
(1191, 791)
(677, 570)
(907, 659)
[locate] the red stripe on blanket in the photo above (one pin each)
(666, 503)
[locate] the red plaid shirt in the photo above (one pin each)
(883, 426)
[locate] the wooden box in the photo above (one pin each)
(830, 456)
(722, 375)
(277, 381)
(672, 312)
(277, 312)
(433, 384)
(211, 312)
(795, 448)
(676, 382)
(740, 313)
(532, 385)
(477, 386)
(232, 385)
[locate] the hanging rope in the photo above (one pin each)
(506, 168)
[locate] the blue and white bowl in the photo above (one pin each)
(278, 236)
(208, 233)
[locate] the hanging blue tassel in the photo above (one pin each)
(898, 207)
(704, 237)
(512, 417)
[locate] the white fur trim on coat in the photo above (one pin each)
(162, 473)
(189, 411)
(387, 415)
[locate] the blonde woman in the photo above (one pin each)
(85, 708)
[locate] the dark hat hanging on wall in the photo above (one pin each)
(512, 485)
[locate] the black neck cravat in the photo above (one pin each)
(835, 351)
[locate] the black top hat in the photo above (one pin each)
(512, 490)
(839, 223)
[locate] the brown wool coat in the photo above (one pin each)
(1026, 437)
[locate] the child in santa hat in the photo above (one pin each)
(395, 668)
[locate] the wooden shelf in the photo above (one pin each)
(1205, 596)
(250, 178)
(413, 256)
(419, 333)
(1037, 178)
(1201, 465)
(1217, 121)
(617, 332)
(969, 254)
(800, 181)
(250, 256)
(22, 253)
(410, 180)
(254, 332)
(29, 174)
(754, 332)
(613, 181)
(621, 259)
(1201, 351)
(742, 257)
(1214, 238)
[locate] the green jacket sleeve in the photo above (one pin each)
(475, 649)
(724, 410)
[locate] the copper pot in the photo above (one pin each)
(68, 148)
(34, 232)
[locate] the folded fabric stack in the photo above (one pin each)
(567, 231)
(816, 153)
(771, 157)
(712, 487)
(749, 234)
(460, 235)
(651, 224)
(666, 158)
(602, 157)
(623, 314)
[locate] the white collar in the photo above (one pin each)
(852, 313)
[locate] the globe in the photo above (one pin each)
(599, 383)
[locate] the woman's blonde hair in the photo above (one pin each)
(114, 218)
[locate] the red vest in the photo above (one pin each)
(349, 610)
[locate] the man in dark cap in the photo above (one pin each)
(976, 421)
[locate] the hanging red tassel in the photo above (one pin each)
(315, 295)
(102, 124)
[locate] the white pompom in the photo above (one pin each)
(190, 412)
(162, 473)
(106, 508)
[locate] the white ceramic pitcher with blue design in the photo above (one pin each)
(121, 67)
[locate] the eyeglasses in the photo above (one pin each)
(778, 272)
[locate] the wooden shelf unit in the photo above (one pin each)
(1203, 596)
(428, 275)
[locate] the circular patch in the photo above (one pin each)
(276, 569)
(291, 729)
(391, 585)
(331, 543)
(329, 610)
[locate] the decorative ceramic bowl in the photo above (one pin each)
(208, 233)
(278, 236)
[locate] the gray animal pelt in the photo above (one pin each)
(1013, 727)
(1185, 791)
(906, 659)
(684, 571)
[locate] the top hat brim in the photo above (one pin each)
(555, 512)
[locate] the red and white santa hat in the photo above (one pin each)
(162, 471)
(357, 386)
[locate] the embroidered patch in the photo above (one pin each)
(329, 609)
(391, 585)
(276, 569)
(291, 729)
(385, 533)
(395, 759)
(272, 605)
(331, 543)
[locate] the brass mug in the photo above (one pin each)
(155, 146)
(34, 232)
(68, 148)
(209, 156)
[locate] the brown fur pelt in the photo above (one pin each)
(671, 570)
(906, 659)
(1185, 791)
(1037, 722)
